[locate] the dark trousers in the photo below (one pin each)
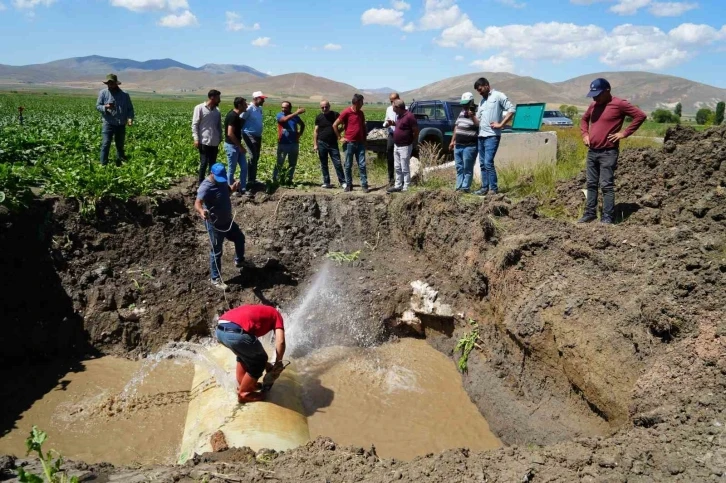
(207, 157)
(325, 149)
(254, 144)
(601, 164)
(390, 159)
(118, 135)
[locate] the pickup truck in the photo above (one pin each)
(435, 122)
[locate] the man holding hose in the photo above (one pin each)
(239, 330)
(214, 205)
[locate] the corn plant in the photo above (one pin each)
(466, 344)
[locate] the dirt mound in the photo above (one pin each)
(683, 182)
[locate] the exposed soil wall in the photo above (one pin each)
(585, 331)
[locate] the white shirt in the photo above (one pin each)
(207, 125)
(392, 116)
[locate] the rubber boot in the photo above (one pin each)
(241, 371)
(247, 390)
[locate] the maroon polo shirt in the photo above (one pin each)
(405, 126)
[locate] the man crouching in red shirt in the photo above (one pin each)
(238, 330)
(600, 127)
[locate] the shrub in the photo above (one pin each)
(664, 115)
(704, 116)
(678, 111)
(719, 113)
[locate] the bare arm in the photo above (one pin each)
(337, 123)
(200, 209)
(453, 139)
(508, 117)
(284, 119)
(315, 137)
(279, 345)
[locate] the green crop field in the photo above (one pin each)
(57, 148)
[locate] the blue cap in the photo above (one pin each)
(220, 174)
(597, 87)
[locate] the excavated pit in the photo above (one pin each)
(599, 353)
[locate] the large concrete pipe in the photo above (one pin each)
(277, 423)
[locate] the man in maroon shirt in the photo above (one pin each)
(238, 330)
(404, 137)
(600, 127)
(354, 142)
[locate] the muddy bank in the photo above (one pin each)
(600, 356)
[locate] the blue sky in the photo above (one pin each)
(391, 43)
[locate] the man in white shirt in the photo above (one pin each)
(252, 135)
(207, 132)
(389, 122)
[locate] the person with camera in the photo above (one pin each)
(117, 112)
(464, 142)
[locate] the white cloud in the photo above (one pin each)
(689, 33)
(30, 4)
(2, 7)
(638, 47)
(145, 5)
(234, 24)
(262, 42)
(495, 63)
(629, 7)
(409, 27)
(512, 3)
(439, 14)
(332, 47)
(671, 9)
(401, 5)
(184, 19)
(382, 16)
(459, 58)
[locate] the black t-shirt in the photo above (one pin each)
(325, 121)
(233, 120)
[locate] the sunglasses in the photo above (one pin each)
(324, 108)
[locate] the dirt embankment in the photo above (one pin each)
(603, 343)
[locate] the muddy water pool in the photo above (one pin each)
(404, 397)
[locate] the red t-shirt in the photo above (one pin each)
(257, 320)
(601, 120)
(355, 125)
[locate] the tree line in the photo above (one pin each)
(704, 116)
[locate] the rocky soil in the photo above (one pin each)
(602, 347)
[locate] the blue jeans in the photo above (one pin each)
(464, 157)
(487, 150)
(359, 151)
(325, 149)
(116, 133)
(235, 157)
(248, 349)
(291, 152)
(217, 237)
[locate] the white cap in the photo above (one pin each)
(258, 94)
(466, 98)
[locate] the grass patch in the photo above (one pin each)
(541, 179)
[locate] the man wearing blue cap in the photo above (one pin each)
(600, 127)
(214, 205)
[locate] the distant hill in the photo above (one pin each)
(379, 90)
(647, 90)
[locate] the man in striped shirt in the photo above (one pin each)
(464, 142)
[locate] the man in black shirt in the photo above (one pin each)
(233, 144)
(326, 142)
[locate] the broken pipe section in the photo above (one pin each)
(277, 423)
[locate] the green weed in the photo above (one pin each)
(341, 257)
(466, 344)
(51, 465)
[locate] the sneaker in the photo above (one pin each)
(343, 186)
(481, 192)
(394, 189)
(366, 190)
(242, 192)
(348, 188)
(327, 186)
(587, 219)
(236, 194)
(606, 220)
(493, 193)
(218, 283)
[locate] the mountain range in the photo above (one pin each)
(168, 76)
